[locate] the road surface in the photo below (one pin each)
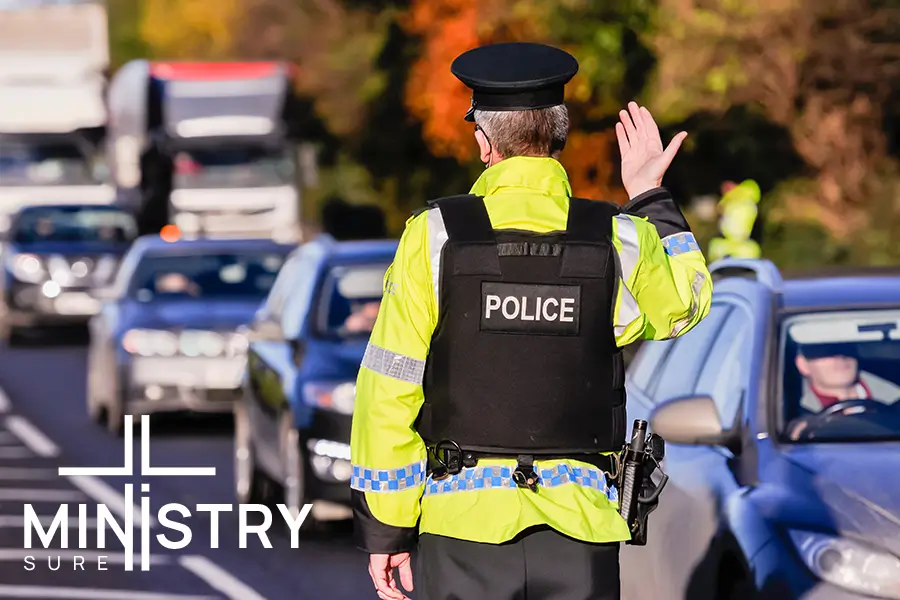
(44, 426)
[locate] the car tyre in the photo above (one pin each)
(251, 486)
(293, 464)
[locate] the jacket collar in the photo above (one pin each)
(536, 174)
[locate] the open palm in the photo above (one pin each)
(644, 162)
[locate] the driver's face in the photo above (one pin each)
(829, 372)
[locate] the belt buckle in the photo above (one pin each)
(525, 476)
(448, 464)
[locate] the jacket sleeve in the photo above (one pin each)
(665, 288)
(388, 455)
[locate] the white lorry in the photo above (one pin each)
(211, 148)
(54, 55)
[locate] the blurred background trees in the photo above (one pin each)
(800, 95)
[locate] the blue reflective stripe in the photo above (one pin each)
(679, 243)
(479, 478)
(388, 480)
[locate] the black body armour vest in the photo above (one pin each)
(523, 359)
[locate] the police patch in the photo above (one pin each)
(530, 309)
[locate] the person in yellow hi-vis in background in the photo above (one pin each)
(499, 340)
(738, 210)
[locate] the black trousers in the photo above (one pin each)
(540, 564)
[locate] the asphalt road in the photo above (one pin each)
(44, 426)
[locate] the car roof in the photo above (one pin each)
(68, 206)
(156, 244)
(361, 249)
(841, 291)
(820, 288)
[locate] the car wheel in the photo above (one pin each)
(250, 485)
(293, 463)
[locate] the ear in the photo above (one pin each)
(484, 147)
(802, 365)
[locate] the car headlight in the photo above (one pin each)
(337, 397)
(150, 342)
(850, 564)
(26, 267)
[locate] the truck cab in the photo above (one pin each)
(211, 148)
(53, 62)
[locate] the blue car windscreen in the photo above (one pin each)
(248, 275)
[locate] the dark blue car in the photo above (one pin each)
(292, 427)
(782, 419)
(166, 338)
(53, 257)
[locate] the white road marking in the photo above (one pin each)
(12, 473)
(218, 578)
(31, 436)
(41, 495)
(103, 493)
(127, 463)
(19, 521)
(15, 452)
(90, 556)
(4, 402)
(79, 593)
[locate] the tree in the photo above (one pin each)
(822, 69)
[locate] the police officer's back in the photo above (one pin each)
(491, 398)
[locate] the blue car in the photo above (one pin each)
(292, 426)
(54, 256)
(782, 422)
(166, 338)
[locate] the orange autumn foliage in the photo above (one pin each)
(433, 95)
(592, 162)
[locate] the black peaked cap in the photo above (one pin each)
(515, 76)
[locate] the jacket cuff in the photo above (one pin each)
(658, 206)
(375, 537)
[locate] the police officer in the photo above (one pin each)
(491, 399)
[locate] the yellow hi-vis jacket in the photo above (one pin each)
(665, 290)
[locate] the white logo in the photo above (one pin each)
(542, 309)
(144, 521)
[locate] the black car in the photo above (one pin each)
(54, 256)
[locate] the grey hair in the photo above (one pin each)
(537, 132)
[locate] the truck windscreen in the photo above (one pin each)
(233, 168)
(36, 163)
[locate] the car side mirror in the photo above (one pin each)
(265, 330)
(692, 421)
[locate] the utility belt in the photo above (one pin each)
(630, 469)
(446, 458)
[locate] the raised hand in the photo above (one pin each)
(644, 162)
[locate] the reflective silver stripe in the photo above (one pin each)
(437, 237)
(696, 286)
(627, 233)
(390, 364)
(388, 480)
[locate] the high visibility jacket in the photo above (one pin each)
(721, 247)
(664, 290)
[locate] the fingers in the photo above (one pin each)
(383, 577)
(624, 145)
(406, 578)
(638, 120)
(650, 127)
(673, 147)
(628, 125)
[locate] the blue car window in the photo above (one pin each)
(724, 374)
(651, 355)
(687, 356)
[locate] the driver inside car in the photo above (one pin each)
(831, 374)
